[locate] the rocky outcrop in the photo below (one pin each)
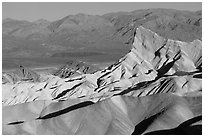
(20, 74)
(74, 68)
(153, 65)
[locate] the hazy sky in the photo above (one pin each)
(57, 10)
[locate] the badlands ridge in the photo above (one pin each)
(157, 85)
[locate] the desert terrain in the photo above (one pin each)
(120, 73)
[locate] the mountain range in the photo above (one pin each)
(92, 36)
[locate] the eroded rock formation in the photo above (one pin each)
(20, 74)
(74, 68)
(154, 65)
(152, 81)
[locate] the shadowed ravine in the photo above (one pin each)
(185, 128)
(66, 110)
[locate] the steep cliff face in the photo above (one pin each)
(153, 65)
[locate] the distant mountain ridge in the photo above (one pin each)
(107, 33)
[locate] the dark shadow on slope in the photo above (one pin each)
(137, 86)
(15, 123)
(66, 110)
(191, 130)
(164, 69)
(157, 52)
(66, 91)
(145, 84)
(161, 73)
(70, 80)
(163, 83)
(142, 126)
(186, 128)
(198, 76)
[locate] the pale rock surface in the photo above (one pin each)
(20, 74)
(118, 115)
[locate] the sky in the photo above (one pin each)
(51, 11)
